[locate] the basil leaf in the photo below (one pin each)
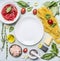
(54, 49)
(47, 16)
(53, 4)
(8, 9)
(53, 25)
(55, 10)
(47, 56)
(22, 4)
(53, 52)
(29, 9)
(11, 29)
(47, 4)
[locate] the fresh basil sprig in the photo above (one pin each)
(54, 52)
(47, 56)
(54, 49)
(22, 4)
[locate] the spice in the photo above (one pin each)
(42, 47)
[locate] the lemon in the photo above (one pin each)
(10, 38)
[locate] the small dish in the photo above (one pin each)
(31, 56)
(15, 50)
(2, 19)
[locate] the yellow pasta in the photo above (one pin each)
(53, 31)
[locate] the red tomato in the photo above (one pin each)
(35, 11)
(23, 10)
(50, 22)
(25, 50)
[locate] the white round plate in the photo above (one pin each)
(18, 15)
(29, 30)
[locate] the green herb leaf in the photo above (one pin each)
(54, 49)
(22, 4)
(47, 56)
(53, 4)
(50, 4)
(3, 35)
(47, 16)
(47, 4)
(6, 49)
(54, 52)
(53, 25)
(11, 29)
(55, 10)
(8, 9)
(29, 9)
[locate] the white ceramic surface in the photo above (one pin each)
(29, 30)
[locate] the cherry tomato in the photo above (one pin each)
(25, 50)
(23, 10)
(35, 11)
(50, 22)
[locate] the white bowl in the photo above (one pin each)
(4, 20)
